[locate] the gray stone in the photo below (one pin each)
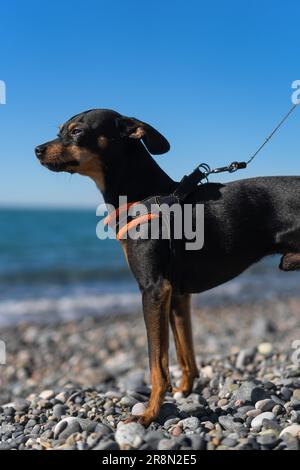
(21, 405)
(47, 394)
(153, 437)
(268, 439)
(244, 358)
(228, 423)
(107, 445)
(191, 423)
(264, 405)
(295, 416)
(83, 425)
(72, 428)
(197, 442)
(128, 401)
(170, 422)
(229, 442)
(191, 409)
(250, 392)
(286, 393)
(30, 423)
(257, 422)
(130, 435)
(58, 411)
(168, 444)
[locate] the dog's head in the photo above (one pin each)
(86, 142)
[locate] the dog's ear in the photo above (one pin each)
(135, 129)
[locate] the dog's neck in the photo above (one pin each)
(135, 175)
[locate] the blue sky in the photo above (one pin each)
(214, 77)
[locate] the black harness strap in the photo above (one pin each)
(187, 185)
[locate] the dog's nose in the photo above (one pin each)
(39, 151)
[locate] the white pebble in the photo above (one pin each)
(293, 429)
(138, 409)
(207, 372)
(258, 421)
(178, 395)
(130, 436)
(265, 348)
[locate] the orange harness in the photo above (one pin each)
(113, 218)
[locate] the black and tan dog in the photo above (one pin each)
(244, 221)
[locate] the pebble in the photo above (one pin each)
(128, 401)
(265, 349)
(244, 358)
(250, 392)
(264, 405)
(170, 422)
(228, 423)
(21, 405)
(190, 423)
(257, 422)
(107, 445)
(296, 394)
(130, 436)
(268, 439)
(168, 410)
(58, 411)
(229, 442)
(176, 430)
(207, 372)
(153, 438)
(62, 397)
(168, 444)
(293, 430)
(81, 424)
(292, 442)
(47, 395)
(138, 409)
(178, 396)
(191, 409)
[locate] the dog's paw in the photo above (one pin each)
(131, 419)
(185, 390)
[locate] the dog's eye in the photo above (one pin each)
(76, 131)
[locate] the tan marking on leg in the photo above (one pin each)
(156, 315)
(180, 319)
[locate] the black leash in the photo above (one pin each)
(203, 170)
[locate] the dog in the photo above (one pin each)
(244, 221)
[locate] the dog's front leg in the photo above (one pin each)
(156, 306)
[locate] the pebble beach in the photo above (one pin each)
(70, 385)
